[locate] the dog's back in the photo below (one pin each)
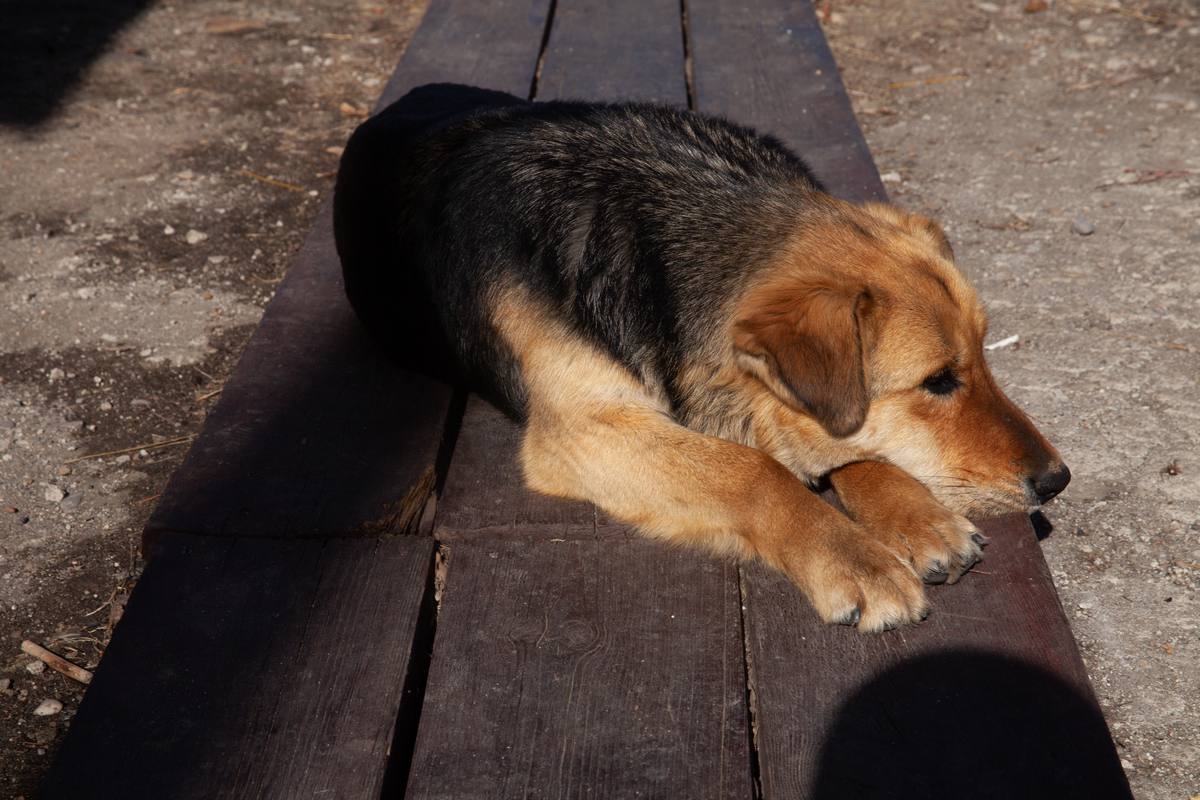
(636, 223)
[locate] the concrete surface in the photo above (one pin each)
(148, 208)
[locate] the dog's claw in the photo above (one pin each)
(851, 617)
(936, 576)
(979, 539)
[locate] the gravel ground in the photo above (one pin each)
(152, 193)
(149, 203)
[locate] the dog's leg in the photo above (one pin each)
(594, 432)
(898, 510)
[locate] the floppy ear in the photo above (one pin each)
(916, 224)
(807, 347)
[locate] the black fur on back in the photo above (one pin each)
(638, 224)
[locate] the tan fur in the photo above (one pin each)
(972, 449)
(818, 371)
(593, 432)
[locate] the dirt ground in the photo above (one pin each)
(160, 164)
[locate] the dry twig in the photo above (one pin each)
(291, 187)
(135, 448)
(56, 663)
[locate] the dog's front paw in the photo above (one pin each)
(940, 544)
(852, 580)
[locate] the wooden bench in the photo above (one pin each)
(350, 594)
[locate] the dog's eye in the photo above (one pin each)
(942, 382)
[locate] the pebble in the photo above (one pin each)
(64, 470)
(195, 237)
(1083, 227)
(168, 230)
(57, 374)
(35, 667)
(70, 502)
(54, 494)
(890, 177)
(48, 708)
(4, 684)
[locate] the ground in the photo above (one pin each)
(154, 185)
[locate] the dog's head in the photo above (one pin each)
(870, 342)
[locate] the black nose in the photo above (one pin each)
(1051, 482)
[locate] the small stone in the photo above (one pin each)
(48, 708)
(168, 230)
(35, 667)
(1082, 226)
(70, 502)
(64, 470)
(195, 237)
(890, 177)
(122, 459)
(4, 684)
(57, 374)
(54, 494)
(106, 406)
(990, 8)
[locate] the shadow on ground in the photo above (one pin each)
(47, 45)
(968, 725)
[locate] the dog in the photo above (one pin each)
(694, 334)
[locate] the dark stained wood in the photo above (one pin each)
(572, 660)
(615, 50)
(258, 663)
(584, 669)
(986, 698)
(485, 492)
(765, 63)
(251, 668)
(493, 45)
(318, 432)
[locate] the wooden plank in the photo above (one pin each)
(572, 659)
(492, 45)
(597, 50)
(584, 669)
(989, 695)
(615, 50)
(765, 63)
(251, 668)
(990, 692)
(318, 432)
(485, 492)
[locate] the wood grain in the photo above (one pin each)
(485, 493)
(251, 668)
(584, 669)
(615, 50)
(492, 45)
(988, 695)
(765, 63)
(572, 660)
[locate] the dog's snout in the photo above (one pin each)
(1050, 482)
